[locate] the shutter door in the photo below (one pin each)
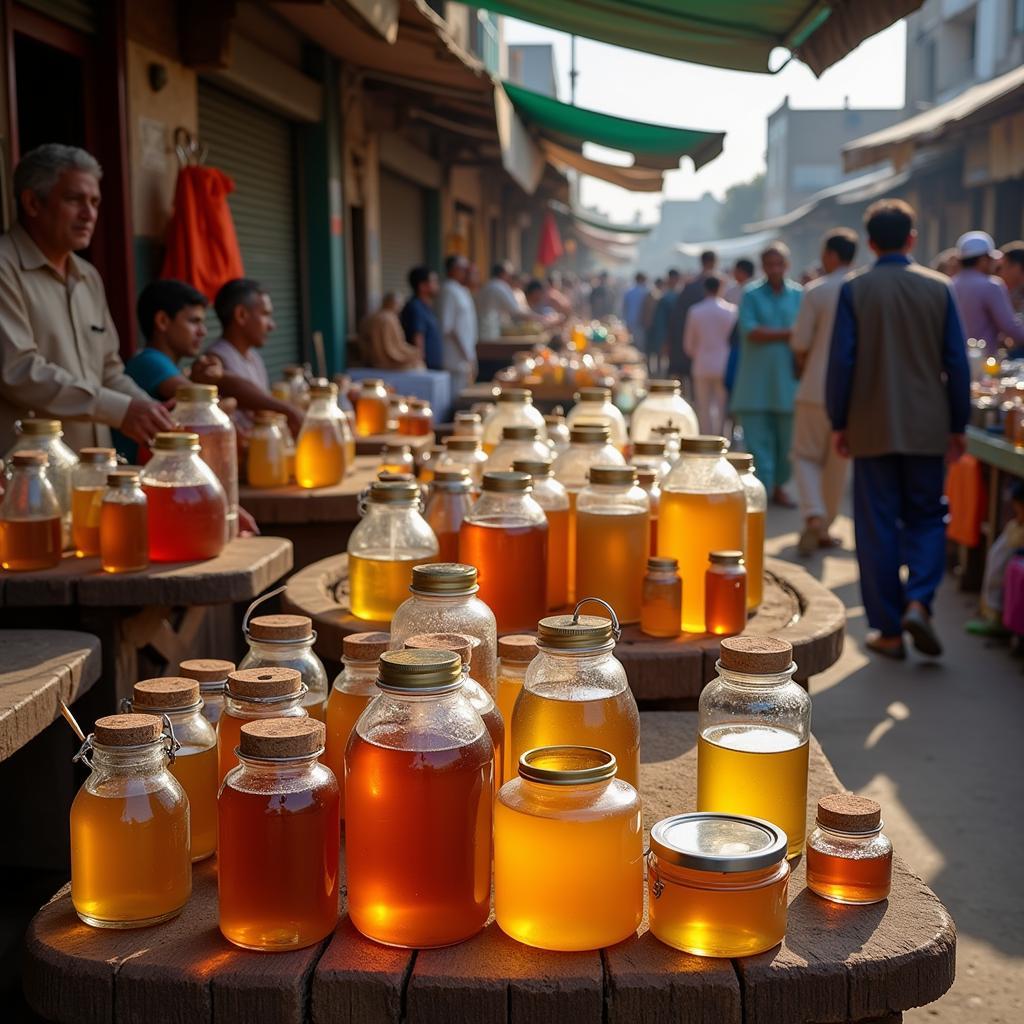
(254, 147)
(402, 241)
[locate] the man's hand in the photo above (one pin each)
(840, 443)
(246, 524)
(295, 419)
(144, 420)
(955, 448)
(207, 370)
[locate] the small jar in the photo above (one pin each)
(286, 641)
(31, 529)
(464, 453)
(514, 408)
(647, 478)
(426, 463)
(320, 449)
(212, 676)
(267, 464)
(663, 405)
(717, 884)
(558, 432)
(124, 524)
(280, 838)
(553, 498)
(444, 599)
(594, 405)
(568, 851)
(757, 511)
(725, 593)
(448, 505)
(517, 442)
(663, 599)
(371, 408)
(418, 420)
(45, 435)
(515, 652)
(88, 485)
(468, 424)
(849, 858)
(398, 406)
(195, 758)
(651, 455)
(251, 694)
(131, 863)
(396, 458)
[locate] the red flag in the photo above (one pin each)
(550, 249)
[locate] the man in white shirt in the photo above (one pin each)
(706, 336)
(496, 302)
(456, 314)
(820, 472)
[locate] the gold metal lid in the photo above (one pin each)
(323, 389)
(423, 671)
(535, 467)
(168, 693)
(756, 655)
(444, 578)
(508, 482)
(621, 476)
(364, 646)
(523, 395)
(593, 395)
(567, 765)
(388, 492)
(123, 478)
(127, 730)
(389, 476)
(177, 441)
(664, 387)
(517, 648)
(703, 444)
(467, 417)
(292, 370)
(453, 480)
(663, 564)
(30, 457)
(589, 432)
(461, 443)
(457, 643)
(649, 448)
(577, 632)
(396, 449)
(39, 427)
(371, 382)
(742, 461)
(265, 417)
(206, 670)
(275, 739)
(519, 432)
(196, 393)
(95, 456)
(725, 557)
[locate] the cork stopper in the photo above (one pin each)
(95, 456)
(457, 643)
(165, 693)
(518, 648)
(364, 646)
(756, 655)
(281, 627)
(264, 682)
(206, 670)
(30, 457)
(127, 730)
(847, 812)
(282, 737)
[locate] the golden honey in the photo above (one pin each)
(124, 536)
(319, 455)
(754, 557)
(848, 880)
(662, 599)
(611, 551)
(27, 544)
(343, 711)
(371, 415)
(725, 594)
(196, 770)
(558, 557)
(377, 586)
(267, 465)
(86, 503)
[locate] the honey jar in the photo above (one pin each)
(124, 524)
(448, 505)
(322, 446)
(514, 408)
(594, 405)
(88, 485)
(757, 511)
(662, 608)
(212, 676)
(464, 452)
(725, 593)
(31, 532)
(520, 441)
(515, 652)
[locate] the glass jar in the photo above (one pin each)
(517, 443)
(398, 406)
(651, 455)
(594, 405)
(44, 435)
(31, 529)
(568, 815)
(464, 453)
(663, 405)
(88, 485)
(672, 440)
(717, 884)
(418, 420)
(195, 758)
(647, 479)
(131, 865)
(515, 652)
(320, 448)
(419, 773)
(703, 509)
(280, 839)
(752, 737)
(187, 506)
(289, 445)
(448, 505)
(514, 409)
(725, 593)
(196, 410)
(298, 386)
(558, 432)
(396, 458)
(576, 692)
(390, 539)
(427, 460)
(212, 676)
(613, 539)
(662, 598)
(267, 464)
(354, 687)
(371, 408)
(254, 693)
(849, 858)
(444, 600)
(554, 500)
(124, 524)
(757, 511)
(505, 536)
(468, 424)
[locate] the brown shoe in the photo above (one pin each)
(887, 646)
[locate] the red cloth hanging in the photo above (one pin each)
(202, 247)
(550, 249)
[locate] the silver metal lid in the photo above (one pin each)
(706, 841)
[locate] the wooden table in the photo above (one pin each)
(795, 606)
(836, 964)
(373, 444)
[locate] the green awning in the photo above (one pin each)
(738, 34)
(655, 146)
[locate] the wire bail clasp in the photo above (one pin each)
(616, 627)
(259, 600)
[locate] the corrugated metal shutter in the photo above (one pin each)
(402, 234)
(255, 148)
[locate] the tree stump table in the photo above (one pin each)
(795, 606)
(836, 964)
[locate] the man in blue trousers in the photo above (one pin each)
(898, 396)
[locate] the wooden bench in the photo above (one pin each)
(795, 606)
(836, 964)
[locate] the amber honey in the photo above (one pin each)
(654, 535)
(343, 711)
(848, 880)
(86, 503)
(30, 543)
(662, 600)
(725, 599)
(229, 730)
(124, 537)
(268, 460)
(611, 552)
(570, 549)
(558, 557)
(319, 455)
(186, 523)
(377, 586)
(371, 415)
(413, 424)
(196, 770)
(754, 557)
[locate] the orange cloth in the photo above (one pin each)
(202, 247)
(965, 491)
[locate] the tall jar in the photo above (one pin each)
(703, 509)
(196, 410)
(576, 693)
(280, 839)
(390, 539)
(286, 641)
(517, 442)
(505, 536)
(752, 737)
(371, 408)
(31, 534)
(567, 813)
(757, 512)
(267, 464)
(195, 758)
(558, 432)
(44, 435)
(187, 505)
(613, 537)
(515, 652)
(418, 420)
(320, 448)
(594, 405)
(647, 480)
(124, 524)
(464, 453)
(651, 455)
(131, 863)
(444, 599)
(554, 500)
(514, 408)
(88, 485)
(662, 598)
(663, 405)
(669, 436)
(419, 775)
(212, 676)
(448, 505)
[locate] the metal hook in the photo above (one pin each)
(82, 757)
(659, 886)
(616, 628)
(173, 746)
(259, 600)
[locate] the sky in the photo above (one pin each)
(644, 87)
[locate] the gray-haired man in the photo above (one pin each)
(58, 345)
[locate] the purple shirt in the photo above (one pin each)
(985, 308)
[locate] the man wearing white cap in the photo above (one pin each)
(984, 302)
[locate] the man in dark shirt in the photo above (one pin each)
(418, 319)
(692, 293)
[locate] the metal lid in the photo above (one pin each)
(444, 578)
(725, 557)
(508, 482)
(169, 693)
(535, 467)
(389, 492)
(649, 448)
(95, 456)
(756, 655)
(742, 461)
(519, 432)
(457, 643)
(583, 432)
(388, 476)
(264, 683)
(39, 427)
(593, 394)
(278, 739)
(622, 476)
(664, 387)
(292, 370)
(646, 477)
(178, 441)
(30, 457)
(467, 417)
(453, 479)
(849, 813)
(323, 389)
(461, 443)
(196, 393)
(364, 646)
(665, 564)
(704, 444)
(280, 628)
(523, 395)
(578, 632)
(206, 670)
(567, 765)
(265, 417)
(127, 730)
(422, 671)
(123, 478)
(517, 648)
(371, 382)
(706, 841)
